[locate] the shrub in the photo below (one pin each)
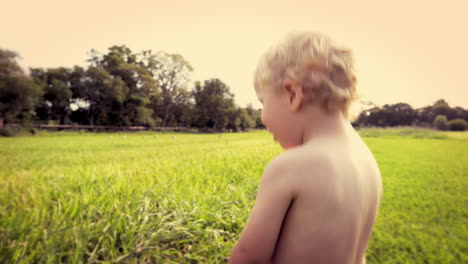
(7, 132)
(458, 125)
(440, 122)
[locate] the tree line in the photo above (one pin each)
(124, 88)
(119, 88)
(439, 115)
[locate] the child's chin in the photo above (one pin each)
(287, 146)
(284, 145)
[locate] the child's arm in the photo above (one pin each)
(258, 239)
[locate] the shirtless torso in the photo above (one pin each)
(335, 203)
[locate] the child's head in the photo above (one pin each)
(324, 70)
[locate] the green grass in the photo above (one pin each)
(71, 197)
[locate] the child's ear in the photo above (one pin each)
(294, 93)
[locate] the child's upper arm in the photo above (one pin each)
(275, 194)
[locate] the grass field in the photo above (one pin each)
(184, 198)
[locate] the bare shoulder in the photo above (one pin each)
(293, 161)
(301, 156)
(280, 171)
(300, 165)
(319, 165)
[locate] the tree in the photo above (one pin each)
(461, 113)
(18, 93)
(78, 105)
(182, 109)
(214, 105)
(171, 71)
(9, 67)
(457, 125)
(246, 121)
(105, 95)
(129, 77)
(399, 114)
(441, 107)
(57, 96)
(255, 116)
(424, 116)
(233, 120)
(440, 122)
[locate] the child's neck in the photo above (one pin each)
(320, 124)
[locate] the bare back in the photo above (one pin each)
(331, 217)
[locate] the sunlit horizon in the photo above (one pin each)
(404, 52)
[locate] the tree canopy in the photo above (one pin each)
(123, 88)
(118, 88)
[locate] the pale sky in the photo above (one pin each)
(405, 51)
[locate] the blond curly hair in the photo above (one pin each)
(324, 70)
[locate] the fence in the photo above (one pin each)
(101, 128)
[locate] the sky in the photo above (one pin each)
(405, 51)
